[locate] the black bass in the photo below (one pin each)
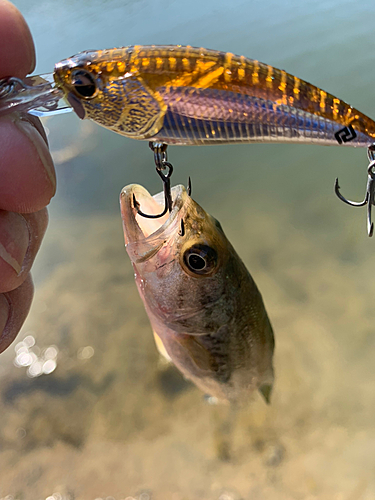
(206, 311)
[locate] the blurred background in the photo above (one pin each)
(87, 411)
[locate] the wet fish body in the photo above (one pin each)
(185, 95)
(206, 311)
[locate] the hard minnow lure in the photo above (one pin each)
(192, 96)
(185, 95)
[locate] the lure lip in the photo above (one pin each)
(36, 95)
(148, 233)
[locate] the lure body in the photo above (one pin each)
(191, 96)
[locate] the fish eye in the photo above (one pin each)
(200, 259)
(84, 83)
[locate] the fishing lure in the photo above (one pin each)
(185, 95)
(191, 96)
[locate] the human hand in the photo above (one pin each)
(27, 182)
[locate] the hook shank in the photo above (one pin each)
(160, 158)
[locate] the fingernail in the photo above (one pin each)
(14, 239)
(33, 135)
(4, 313)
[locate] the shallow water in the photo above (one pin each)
(108, 420)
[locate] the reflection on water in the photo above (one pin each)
(28, 354)
(88, 409)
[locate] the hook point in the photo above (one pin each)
(189, 188)
(182, 228)
(135, 202)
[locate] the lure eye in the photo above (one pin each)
(84, 83)
(200, 259)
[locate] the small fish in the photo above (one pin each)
(185, 95)
(206, 312)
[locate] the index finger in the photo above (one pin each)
(17, 57)
(26, 168)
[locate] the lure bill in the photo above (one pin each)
(205, 309)
(36, 95)
(184, 95)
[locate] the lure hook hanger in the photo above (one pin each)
(160, 158)
(369, 199)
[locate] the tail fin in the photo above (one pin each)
(265, 391)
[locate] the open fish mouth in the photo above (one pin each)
(139, 229)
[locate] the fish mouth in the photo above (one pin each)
(150, 232)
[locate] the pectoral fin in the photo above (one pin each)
(198, 354)
(160, 346)
(184, 349)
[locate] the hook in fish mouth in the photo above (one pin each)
(166, 178)
(137, 228)
(160, 157)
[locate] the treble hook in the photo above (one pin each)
(369, 199)
(160, 158)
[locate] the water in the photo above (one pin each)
(96, 415)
